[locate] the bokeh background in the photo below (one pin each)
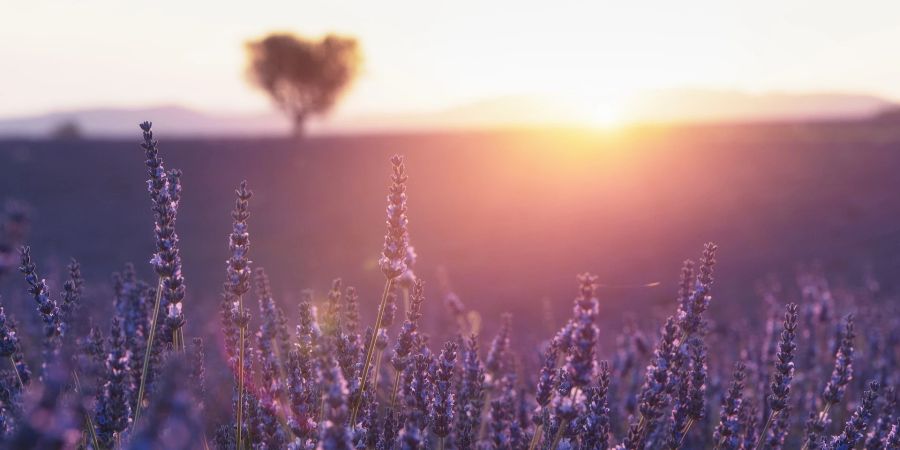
(504, 220)
(542, 141)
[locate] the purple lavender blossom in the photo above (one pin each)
(173, 284)
(893, 438)
(857, 425)
(441, 409)
(690, 316)
(781, 381)
(171, 421)
(581, 362)
(368, 432)
(596, 424)
(238, 265)
(546, 381)
(748, 417)
(331, 319)
(496, 361)
(335, 433)
(654, 393)
(165, 193)
(403, 346)
(728, 431)
(47, 307)
(396, 241)
(502, 416)
(72, 290)
(11, 350)
(302, 398)
(113, 407)
(417, 398)
(470, 397)
(842, 373)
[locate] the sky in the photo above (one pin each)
(427, 55)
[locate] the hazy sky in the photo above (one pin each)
(423, 55)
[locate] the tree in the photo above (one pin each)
(66, 131)
(304, 77)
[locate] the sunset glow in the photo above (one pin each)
(423, 58)
(412, 224)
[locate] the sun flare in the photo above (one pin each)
(606, 116)
(606, 112)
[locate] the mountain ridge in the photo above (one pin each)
(673, 106)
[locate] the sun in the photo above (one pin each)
(601, 112)
(605, 115)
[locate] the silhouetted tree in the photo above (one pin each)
(303, 76)
(66, 131)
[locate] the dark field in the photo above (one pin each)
(511, 217)
(506, 221)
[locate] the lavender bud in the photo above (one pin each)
(443, 399)
(842, 373)
(406, 338)
(729, 428)
(238, 266)
(396, 241)
(580, 362)
(497, 355)
(72, 290)
(470, 397)
(856, 426)
(596, 423)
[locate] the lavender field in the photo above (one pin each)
(704, 287)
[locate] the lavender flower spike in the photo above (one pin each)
(442, 398)
(842, 373)
(781, 381)
(654, 393)
(392, 262)
(581, 363)
(396, 241)
(47, 307)
(727, 433)
(855, 429)
(596, 424)
(11, 349)
(174, 288)
(237, 283)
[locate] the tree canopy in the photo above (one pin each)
(304, 77)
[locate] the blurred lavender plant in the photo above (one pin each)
(47, 308)
(113, 410)
(727, 433)
(855, 429)
(834, 391)
(443, 400)
(654, 393)
(781, 381)
(470, 398)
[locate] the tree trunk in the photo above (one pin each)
(299, 119)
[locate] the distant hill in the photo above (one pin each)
(889, 115)
(121, 122)
(702, 105)
(666, 106)
(180, 121)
